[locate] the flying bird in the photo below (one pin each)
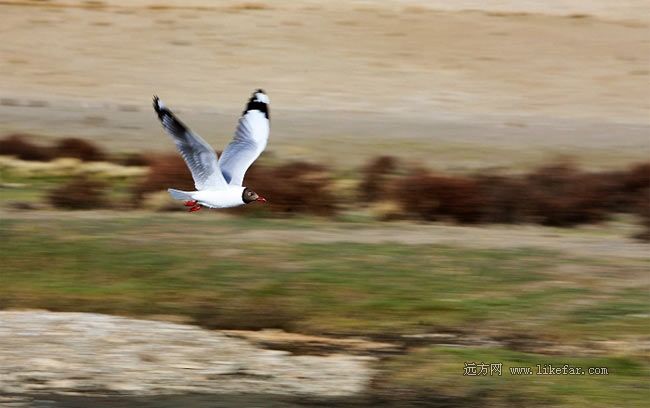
(218, 181)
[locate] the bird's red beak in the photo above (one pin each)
(261, 199)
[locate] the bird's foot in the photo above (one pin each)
(191, 203)
(197, 207)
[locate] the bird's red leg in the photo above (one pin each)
(190, 203)
(197, 207)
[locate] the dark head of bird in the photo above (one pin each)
(249, 196)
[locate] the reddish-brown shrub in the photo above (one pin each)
(560, 195)
(637, 181)
(292, 188)
(80, 193)
(557, 194)
(18, 145)
(637, 178)
(631, 189)
(434, 197)
(375, 185)
(79, 149)
(134, 159)
(504, 199)
(165, 171)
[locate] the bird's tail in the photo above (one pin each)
(180, 195)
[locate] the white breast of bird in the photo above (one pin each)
(226, 198)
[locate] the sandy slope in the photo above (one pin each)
(509, 85)
(354, 56)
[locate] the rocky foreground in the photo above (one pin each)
(93, 354)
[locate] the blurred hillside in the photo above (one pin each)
(456, 88)
(360, 56)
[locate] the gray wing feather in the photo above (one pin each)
(200, 158)
(250, 139)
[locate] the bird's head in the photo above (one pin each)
(248, 196)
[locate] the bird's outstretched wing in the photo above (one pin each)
(250, 139)
(200, 158)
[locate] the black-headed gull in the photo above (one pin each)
(218, 182)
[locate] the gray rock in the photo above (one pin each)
(92, 353)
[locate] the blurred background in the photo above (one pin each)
(448, 183)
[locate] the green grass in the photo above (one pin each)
(145, 264)
(35, 189)
(141, 264)
(332, 287)
(436, 373)
(31, 191)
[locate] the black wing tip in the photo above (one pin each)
(156, 103)
(255, 104)
(160, 108)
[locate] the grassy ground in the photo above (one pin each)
(524, 305)
(436, 372)
(519, 296)
(142, 265)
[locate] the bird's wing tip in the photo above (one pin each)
(259, 96)
(157, 103)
